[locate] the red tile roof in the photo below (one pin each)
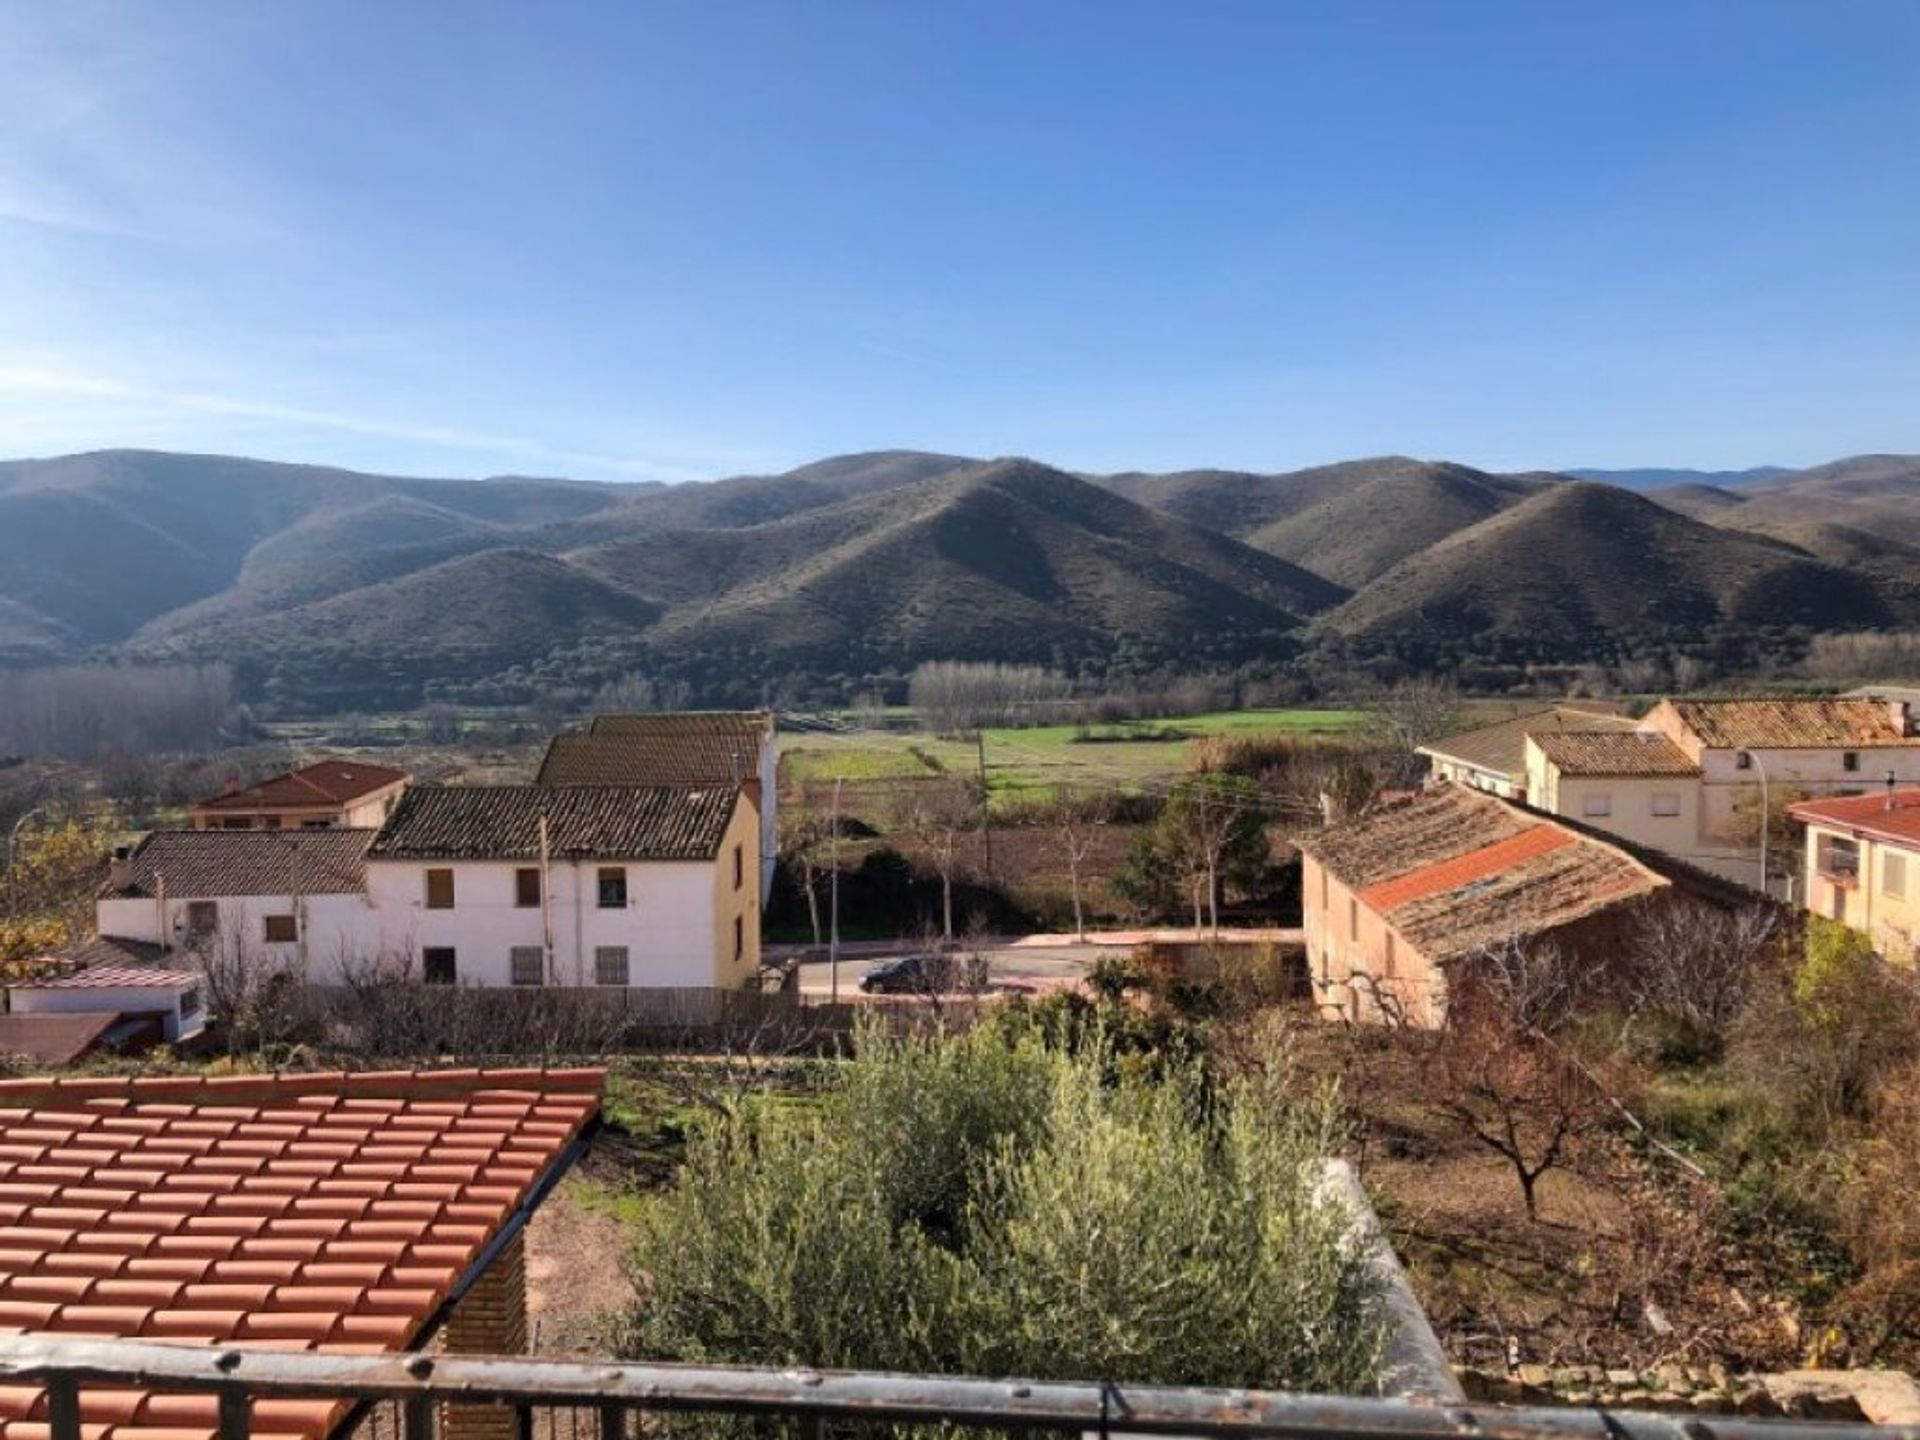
(1789, 724)
(327, 1211)
(1897, 822)
(1463, 870)
(323, 783)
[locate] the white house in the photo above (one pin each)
(680, 747)
(138, 996)
(572, 884)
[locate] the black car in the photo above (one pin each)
(921, 973)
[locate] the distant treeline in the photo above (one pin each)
(87, 712)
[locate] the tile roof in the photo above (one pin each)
(330, 1212)
(692, 747)
(1789, 724)
(1501, 748)
(207, 864)
(606, 822)
(54, 1039)
(1453, 870)
(108, 977)
(1894, 818)
(1615, 753)
(325, 782)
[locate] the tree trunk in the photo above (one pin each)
(946, 905)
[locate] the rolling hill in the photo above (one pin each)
(331, 587)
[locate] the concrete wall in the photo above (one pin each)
(1891, 922)
(329, 928)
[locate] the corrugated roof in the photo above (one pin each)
(325, 782)
(1894, 818)
(502, 822)
(326, 1212)
(1613, 753)
(1501, 748)
(210, 864)
(694, 747)
(1789, 724)
(111, 977)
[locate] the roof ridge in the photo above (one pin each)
(200, 1088)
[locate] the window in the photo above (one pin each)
(282, 929)
(526, 889)
(528, 964)
(613, 889)
(1742, 760)
(1594, 805)
(1893, 874)
(203, 917)
(1666, 804)
(439, 889)
(610, 965)
(437, 965)
(270, 822)
(739, 939)
(190, 1001)
(242, 824)
(1353, 919)
(316, 824)
(1849, 759)
(739, 865)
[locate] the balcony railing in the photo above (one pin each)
(816, 1402)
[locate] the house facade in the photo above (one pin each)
(326, 795)
(679, 747)
(1397, 899)
(1863, 866)
(572, 885)
(1494, 757)
(481, 885)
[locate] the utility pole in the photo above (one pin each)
(833, 902)
(986, 828)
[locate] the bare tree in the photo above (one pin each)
(803, 834)
(1406, 715)
(939, 815)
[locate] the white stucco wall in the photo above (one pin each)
(127, 999)
(332, 927)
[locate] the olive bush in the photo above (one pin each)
(988, 1204)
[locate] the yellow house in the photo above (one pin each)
(1863, 866)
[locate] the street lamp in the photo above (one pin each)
(13, 837)
(1766, 814)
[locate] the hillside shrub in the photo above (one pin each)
(993, 1204)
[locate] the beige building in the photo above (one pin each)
(1863, 866)
(1494, 757)
(326, 795)
(1398, 898)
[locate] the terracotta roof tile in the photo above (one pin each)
(158, 1222)
(1501, 748)
(1893, 818)
(715, 747)
(1789, 723)
(210, 864)
(502, 822)
(1630, 753)
(325, 782)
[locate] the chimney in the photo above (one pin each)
(120, 868)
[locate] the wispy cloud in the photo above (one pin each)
(36, 380)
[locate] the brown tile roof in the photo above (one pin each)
(1894, 818)
(1613, 753)
(1420, 829)
(328, 1212)
(1454, 870)
(325, 782)
(1501, 748)
(54, 1039)
(502, 822)
(1789, 724)
(208, 864)
(691, 747)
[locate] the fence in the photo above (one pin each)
(547, 1396)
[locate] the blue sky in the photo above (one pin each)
(630, 241)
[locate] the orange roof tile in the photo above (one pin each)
(1892, 817)
(1461, 870)
(267, 1210)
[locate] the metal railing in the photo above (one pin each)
(819, 1401)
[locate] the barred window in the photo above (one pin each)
(529, 964)
(610, 965)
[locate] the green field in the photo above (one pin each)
(1047, 758)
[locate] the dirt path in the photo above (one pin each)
(576, 1286)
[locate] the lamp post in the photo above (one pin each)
(13, 838)
(1766, 815)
